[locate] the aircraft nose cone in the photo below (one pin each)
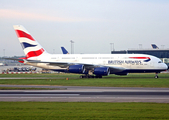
(165, 66)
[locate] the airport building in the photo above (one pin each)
(163, 54)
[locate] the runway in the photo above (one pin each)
(86, 94)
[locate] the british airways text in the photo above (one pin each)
(119, 62)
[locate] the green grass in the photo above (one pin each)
(82, 110)
(132, 80)
(56, 75)
(64, 75)
(29, 88)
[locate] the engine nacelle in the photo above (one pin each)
(102, 71)
(76, 69)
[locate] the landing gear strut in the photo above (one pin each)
(156, 76)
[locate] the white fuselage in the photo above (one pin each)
(122, 61)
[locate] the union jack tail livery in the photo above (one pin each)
(30, 46)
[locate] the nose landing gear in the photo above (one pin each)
(156, 76)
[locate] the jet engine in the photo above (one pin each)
(76, 69)
(101, 71)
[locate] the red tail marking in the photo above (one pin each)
(22, 58)
(140, 57)
(34, 53)
(23, 34)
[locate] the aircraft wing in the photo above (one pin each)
(87, 66)
(113, 69)
(23, 60)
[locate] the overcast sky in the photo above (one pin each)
(91, 24)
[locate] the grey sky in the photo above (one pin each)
(91, 24)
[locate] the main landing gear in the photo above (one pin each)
(90, 76)
(156, 76)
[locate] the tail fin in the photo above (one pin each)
(154, 46)
(64, 50)
(30, 46)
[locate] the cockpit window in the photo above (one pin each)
(160, 62)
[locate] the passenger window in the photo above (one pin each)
(160, 62)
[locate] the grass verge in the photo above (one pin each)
(82, 110)
(132, 80)
(27, 88)
(53, 75)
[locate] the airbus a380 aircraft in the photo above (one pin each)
(87, 64)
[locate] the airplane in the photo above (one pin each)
(154, 46)
(89, 65)
(64, 50)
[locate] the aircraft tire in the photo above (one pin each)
(98, 77)
(81, 76)
(156, 77)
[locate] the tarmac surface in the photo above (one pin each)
(86, 94)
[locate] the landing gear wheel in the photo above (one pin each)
(89, 76)
(81, 76)
(156, 75)
(84, 76)
(98, 76)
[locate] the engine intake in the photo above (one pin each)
(76, 69)
(103, 71)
